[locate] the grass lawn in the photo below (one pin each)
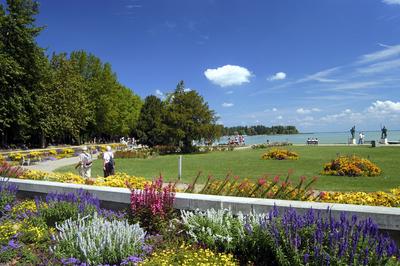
(247, 163)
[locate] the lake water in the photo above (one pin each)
(323, 137)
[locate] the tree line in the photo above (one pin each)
(73, 98)
(259, 130)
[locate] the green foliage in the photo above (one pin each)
(189, 118)
(151, 128)
(216, 229)
(58, 212)
(98, 241)
(66, 100)
(259, 130)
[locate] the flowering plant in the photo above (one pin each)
(153, 206)
(189, 255)
(351, 166)
(98, 241)
(280, 154)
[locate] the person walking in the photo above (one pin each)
(108, 162)
(85, 163)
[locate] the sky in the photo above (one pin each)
(321, 65)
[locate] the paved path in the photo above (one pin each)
(50, 166)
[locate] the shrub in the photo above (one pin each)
(98, 241)
(280, 154)
(152, 207)
(317, 238)
(188, 255)
(218, 230)
(351, 166)
(272, 144)
(166, 149)
(62, 206)
(314, 238)
(142, 153)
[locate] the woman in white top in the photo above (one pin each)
(85, 163)
(108, 162)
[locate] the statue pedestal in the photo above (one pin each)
(352, 141)
(383, 141)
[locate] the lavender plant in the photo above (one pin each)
(7, 195)
(98, 241)
(317, 238)
(62, 206)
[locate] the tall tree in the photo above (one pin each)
(189, 118)
(151, 129)
(24, 70)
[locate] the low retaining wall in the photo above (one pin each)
(387, 218)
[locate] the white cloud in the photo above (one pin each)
(278, 76)
(388, 52)
(345, 116)
(321, 76)
(391, 2)
(228, 75)
(303, 111)
(380, 67)
(229, 92)
(279, 117)
(274, 109)
(159, 93)
(227, 104)
(187, 90)
(384, 107)
(355, 85)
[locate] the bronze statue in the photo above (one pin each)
(384, 133)
(353, 131)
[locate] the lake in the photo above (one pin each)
(323, 137)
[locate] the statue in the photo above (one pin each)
(353, 131)
(384, 133)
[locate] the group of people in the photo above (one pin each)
(86, 161)
(361, 135)
(236, 140)
(312, 141)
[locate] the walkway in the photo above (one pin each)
(50, 166)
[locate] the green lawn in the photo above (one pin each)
(247, 163)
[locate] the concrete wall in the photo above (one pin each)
(387, 218)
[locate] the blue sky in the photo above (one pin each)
(319, 65)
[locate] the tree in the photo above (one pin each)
(67, 106)
(24, 71)
(151, 129)
(189, 118)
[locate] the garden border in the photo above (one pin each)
(388, 219)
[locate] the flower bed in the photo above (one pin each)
(271, 144)
(280, 154)
(71, 229)
(379, 198)
(351, 166)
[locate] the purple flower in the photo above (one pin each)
(12, 244)
(131, 259)
(7, 208)
(70, 261)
